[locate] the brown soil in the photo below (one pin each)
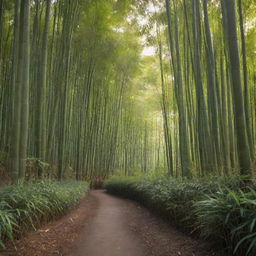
(104, 225)
(57, 237)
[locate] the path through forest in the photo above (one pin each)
(105, 225)
(110, 231)
(123, 228)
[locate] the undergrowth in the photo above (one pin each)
(26, 207)
(222, 209)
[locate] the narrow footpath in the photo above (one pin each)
(105, 225)
(110, 231)
(123, 228)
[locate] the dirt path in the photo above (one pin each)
(123, 228)
(104, 225)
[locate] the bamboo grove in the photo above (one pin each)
(64, 75)
(78, 99)
(206, 53)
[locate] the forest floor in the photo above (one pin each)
(104, 225)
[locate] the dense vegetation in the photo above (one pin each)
(217, 208)
(26, 207)
(64, 73)
(95, 87)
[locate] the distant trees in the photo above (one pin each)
(63, 84)
(78, 100)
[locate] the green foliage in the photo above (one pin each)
(231, 216)
(221, 208)
(28, 206)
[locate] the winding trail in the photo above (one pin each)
(105, 225)
(121, 227)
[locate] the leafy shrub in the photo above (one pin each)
(231, 217)
(28, 206)
(223, 208)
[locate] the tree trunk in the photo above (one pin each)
(25, 8)
(229, 13)
(41, 126)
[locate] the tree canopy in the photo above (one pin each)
(89, 88)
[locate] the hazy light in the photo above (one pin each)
(143, 21)
(148, 51)
(119, 30)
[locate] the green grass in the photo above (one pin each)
(222, 209)
(25, 207)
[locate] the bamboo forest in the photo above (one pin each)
(127, 127)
